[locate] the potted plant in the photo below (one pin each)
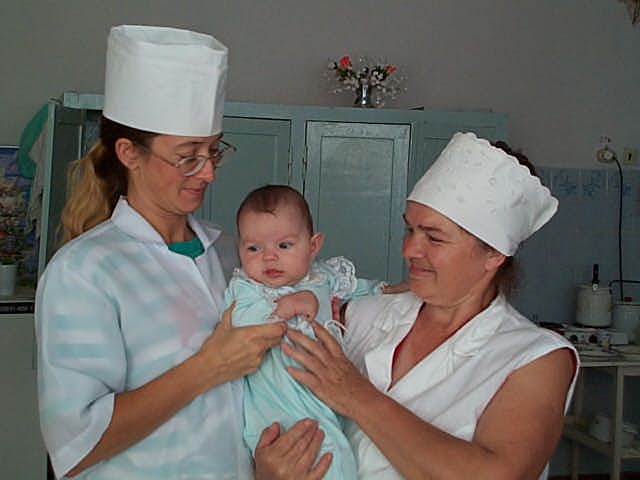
(12, 237)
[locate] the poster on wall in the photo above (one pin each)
(17, 234)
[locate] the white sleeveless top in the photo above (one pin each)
(451, 387)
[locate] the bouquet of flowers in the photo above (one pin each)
(375, 75)
(12, 214)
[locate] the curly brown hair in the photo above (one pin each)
(507, 277)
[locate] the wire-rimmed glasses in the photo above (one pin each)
(192, 164)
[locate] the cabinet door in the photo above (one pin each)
(262, 158)
(22, 453)
(356, 185)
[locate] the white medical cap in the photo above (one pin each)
(165, 80)
(487, 192)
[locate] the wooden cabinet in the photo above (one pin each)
(22, 453)
(353, 165)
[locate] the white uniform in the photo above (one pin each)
(115, 309)
(451, 387)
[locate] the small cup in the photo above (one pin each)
(8, 279)
(601, 429)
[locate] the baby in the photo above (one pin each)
(278, 249)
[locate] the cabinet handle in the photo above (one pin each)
(305, 163)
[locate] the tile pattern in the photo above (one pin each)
(583, 232)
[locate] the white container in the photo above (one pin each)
(593, 306)
(626, 318)
(8, 279)
(602, 429)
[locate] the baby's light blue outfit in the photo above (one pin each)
(271, 394)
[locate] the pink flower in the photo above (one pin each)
(345, 62)
(390, 69)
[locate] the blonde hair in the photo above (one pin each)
(96, 181)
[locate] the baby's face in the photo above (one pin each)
(276, 249)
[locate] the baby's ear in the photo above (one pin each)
(317, 239)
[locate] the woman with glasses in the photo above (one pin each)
(132, 382)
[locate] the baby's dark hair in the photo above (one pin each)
(268, 198)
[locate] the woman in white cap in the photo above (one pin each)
(448, 380)
(132, 384)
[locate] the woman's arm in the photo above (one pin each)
(227, 354)
(514, 438)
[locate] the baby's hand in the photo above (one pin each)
(302, 303)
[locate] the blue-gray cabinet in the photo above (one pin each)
(262, 157)
(354, 167)
(355, 183)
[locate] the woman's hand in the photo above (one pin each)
(328, 372)
(292, 454)
(231, 352)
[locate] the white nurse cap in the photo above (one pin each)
(485, 191)
(165, 80)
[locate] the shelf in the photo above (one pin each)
(631, 366)
(22, 303)
(21, 294)
(575, 431)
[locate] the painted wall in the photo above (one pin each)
(566, 72)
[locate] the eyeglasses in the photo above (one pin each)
(192, 164)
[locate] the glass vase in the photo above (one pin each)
(364, 95)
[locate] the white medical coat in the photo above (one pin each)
(449, 388)
(115, 308)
